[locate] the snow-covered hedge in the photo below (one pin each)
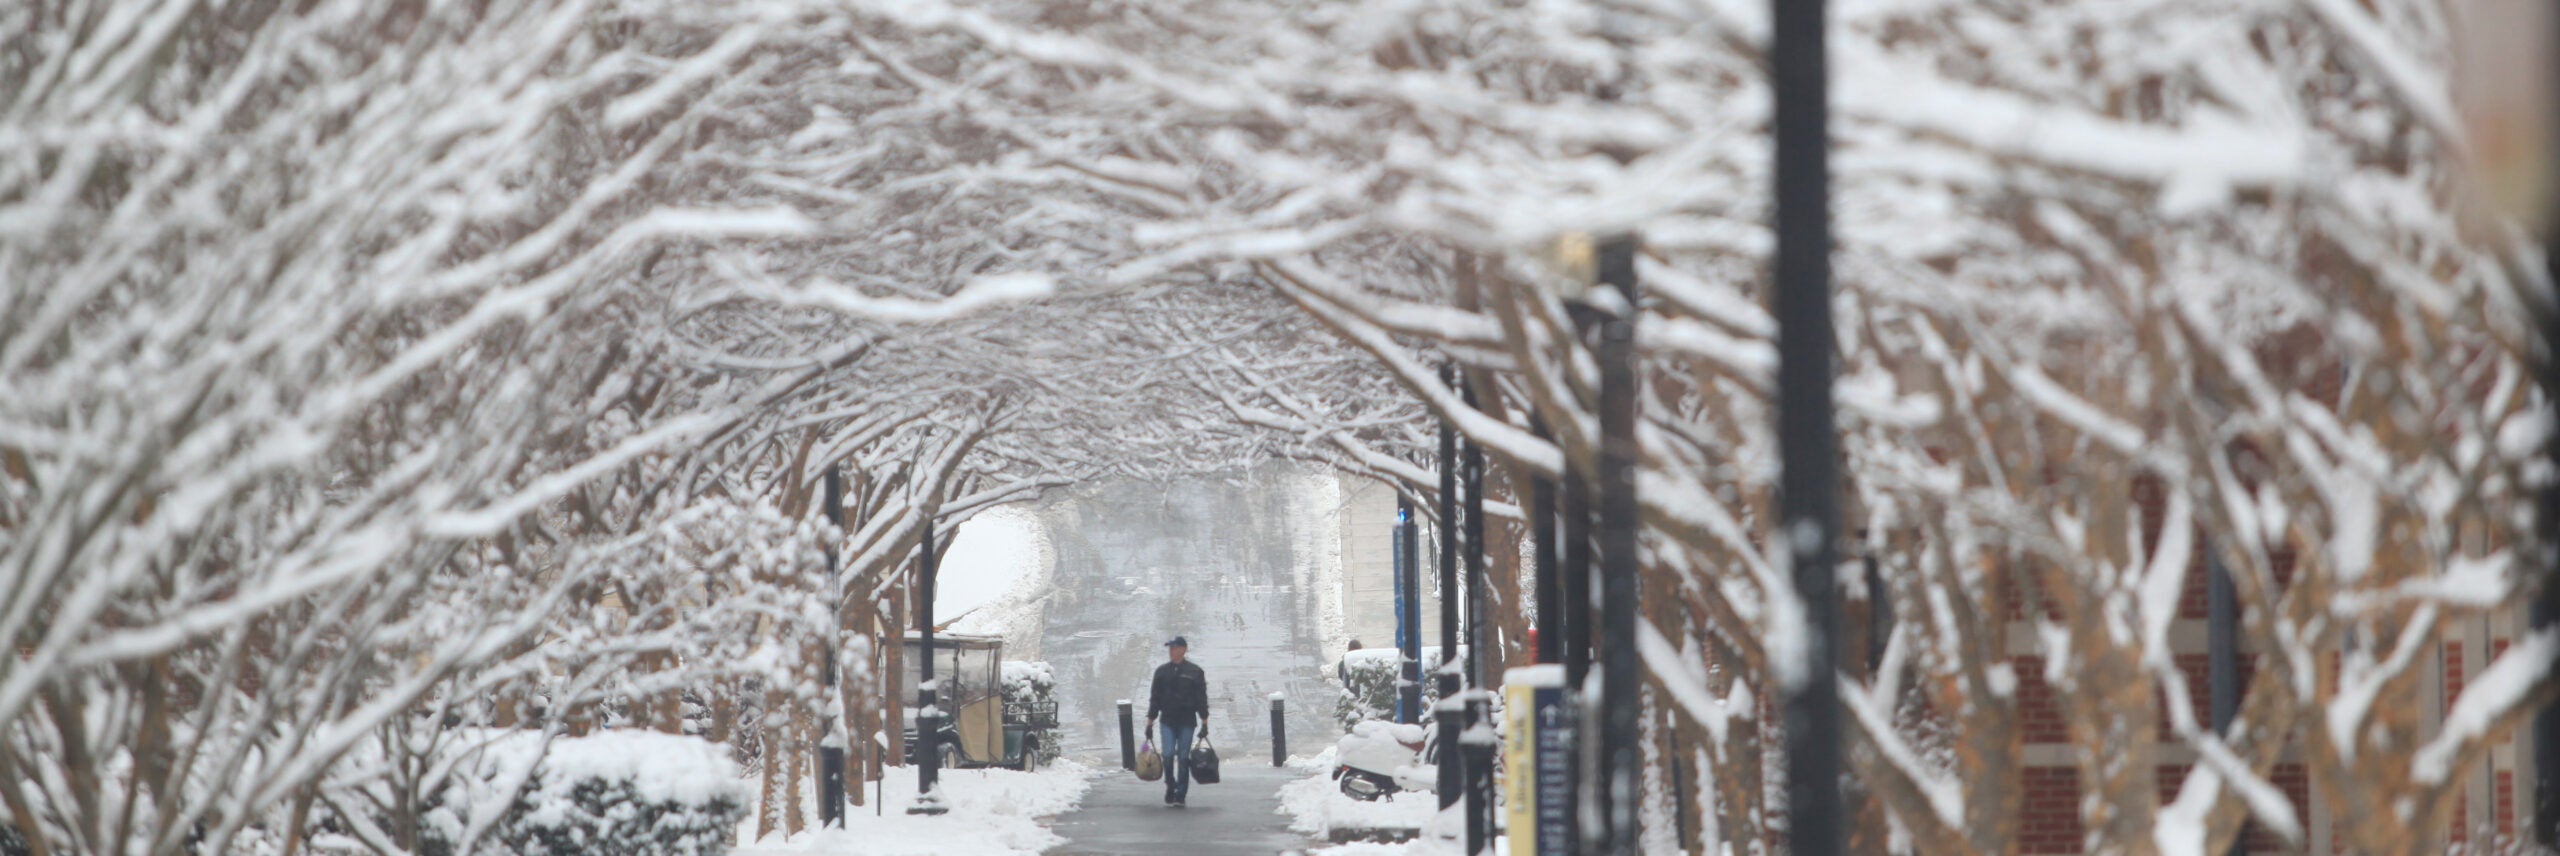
(1028, 680)
(638, 793)
(1369, 684)
(1033, 682)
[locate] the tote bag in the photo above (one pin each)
(1150, 762)
(1204, 762)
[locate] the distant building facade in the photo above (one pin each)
(1366, 523)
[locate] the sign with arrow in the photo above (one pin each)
(1538, 745)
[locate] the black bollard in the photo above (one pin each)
(1279, 732)
(929, 724)
(1450, 715)
(1476, 747)
(1128, 738)
(1447, 672)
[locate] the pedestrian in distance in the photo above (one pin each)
(1180, 698)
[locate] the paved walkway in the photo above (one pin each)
(1238, 816)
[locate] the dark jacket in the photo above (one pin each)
(1180, 694)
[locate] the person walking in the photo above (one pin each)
(1180, 696)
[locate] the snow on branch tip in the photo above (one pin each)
(981, 293)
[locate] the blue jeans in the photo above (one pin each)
(1176, 746)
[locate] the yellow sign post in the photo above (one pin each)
(1536, 749)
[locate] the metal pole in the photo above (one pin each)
(1128, 737)
(1448, 721)
(1479, 771)
(1542, 535)
(1409, 576)
(929, 717)
(2541, 615)
(1447, 675)
(1279, 732)
(1477, 747)
(831, 792)
(1809, 517)
(2543, 612)
(1574, 507)
(1471, 467)
(1622, 759)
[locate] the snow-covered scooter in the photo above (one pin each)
(1380, 758)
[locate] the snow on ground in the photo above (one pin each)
(1317, 806)
(1440, 837)
(993, 578)
(1418, 847)
(993, 813)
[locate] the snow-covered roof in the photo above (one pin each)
(957, 640)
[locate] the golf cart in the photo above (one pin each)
(983, 727)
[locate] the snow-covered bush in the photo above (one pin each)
(623, 792)
(1369, 685)
(1026, 680)
(1033, 683)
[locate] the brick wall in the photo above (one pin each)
(2503, 804)
(2295, 781)
(2040, 717)
(2052, 810)
(2199, 671)
(2453, 677)
(2051, 821)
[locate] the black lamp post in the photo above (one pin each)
(1542, 537)
(1573, 510)
(929, 716)
(831, 793)
(1471, 474)
(1447, 673)
(1809, 454)
(1584, 827)
(1479, 755)
(1621, 756)
(2544, 612)
(1409, 642)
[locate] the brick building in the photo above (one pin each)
(2488, 810)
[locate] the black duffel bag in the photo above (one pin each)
(1204, 762)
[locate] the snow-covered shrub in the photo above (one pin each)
(1028, 680)
(1369, 678)
(1032, 685)
(623, 792)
